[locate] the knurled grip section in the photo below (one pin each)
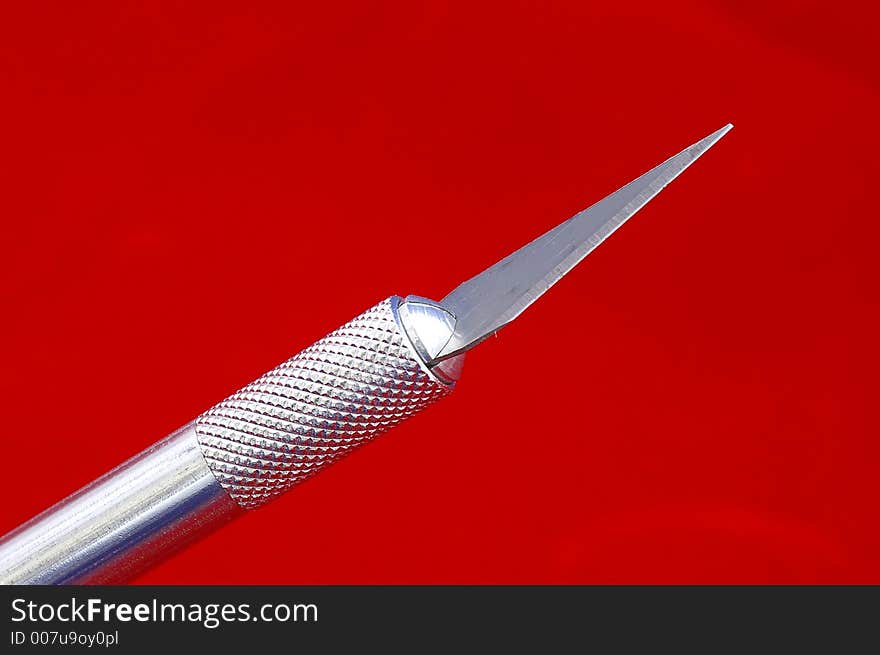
(342, 391)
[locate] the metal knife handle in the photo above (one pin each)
(354, 384)
(339, 393)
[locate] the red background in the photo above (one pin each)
(190, 194)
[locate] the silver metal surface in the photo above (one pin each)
(354, 384)
(122, 522)
(489, 301)
(428, 326)
(359, 381)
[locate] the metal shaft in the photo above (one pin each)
(352, 385)
(120, 524)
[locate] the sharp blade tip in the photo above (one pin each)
(715, 136)
(701, 146)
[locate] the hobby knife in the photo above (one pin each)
(361, 380)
